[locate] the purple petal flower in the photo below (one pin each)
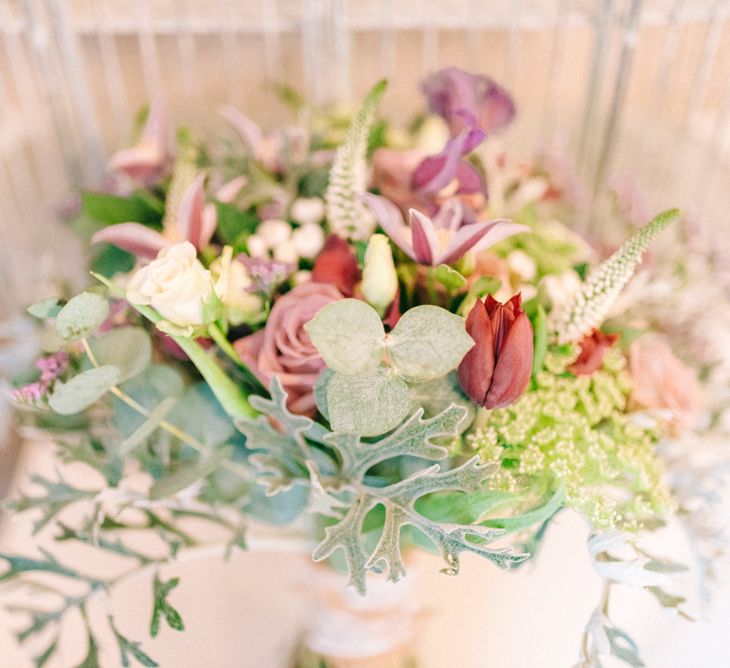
(52, 366)
(443, 239)
(148, 159)
(196, 222)
(266, 275)
(453, 93)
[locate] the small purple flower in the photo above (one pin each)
(266, 275)
(52, 367)
(456, 95)
(443, 239)
(33, 394)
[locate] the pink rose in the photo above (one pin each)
(662, 381)
(285, 350)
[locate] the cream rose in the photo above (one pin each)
(175, 284)
(232, 284)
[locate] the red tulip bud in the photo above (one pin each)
(495, 372)
(337, 265)
(593, 347)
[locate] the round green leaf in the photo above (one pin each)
(367, 405)
(451, 279)
(83, 390)
(81, 316)
(427, 343)
(349, 336)
(47, 308)
(127, 348)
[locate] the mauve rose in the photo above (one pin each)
(593, 347)
(495, 372)
(285, 350)
(662, 381)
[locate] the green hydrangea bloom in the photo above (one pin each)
(575, 431)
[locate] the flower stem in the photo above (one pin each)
(225, 345)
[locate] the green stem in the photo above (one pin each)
(234, 402)
(225, 345)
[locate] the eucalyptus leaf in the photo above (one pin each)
(436, 395)
(127, 348)
(81, 316)
(349, 336)
(46, 308)
(188, 474)
(427, 343)
(367, 405)
(83, 390)
(320, 392)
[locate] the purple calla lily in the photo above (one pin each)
(149, 158)
(452, 93)
(443, 239)
(195, 222)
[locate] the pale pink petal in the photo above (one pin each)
(390, 219)
(499, 230)
(246, 128)
(464, 240)
(190, 217)
(228, 191)
(132, 237)
(210, 222)
(425, 241)
(450, 215)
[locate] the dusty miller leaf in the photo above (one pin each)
(369, 404)
(427, 343)
(81, 316)
(162, 607)
(131, 648)
(349, 336)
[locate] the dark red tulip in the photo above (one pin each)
(495, 372)
(337, 265)
(593, 347)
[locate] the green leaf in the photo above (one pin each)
(110, 260)
(112, 209)
(369, 404)
(485, 285)
(19, 564)
(437, 395)
(81, 316)
(83, 390)
(451, 279)
(129, 648)
(147, 428)
(531, 517)
(127, 348)
(199, 414)
(46, 308)
(162, 607)
(427, 343)
(349, 336)
(232, 222)
(189, 473)
(42, 659)
(91, 660)
(320, 392)
(541, 339)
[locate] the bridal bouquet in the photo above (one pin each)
(381, 337)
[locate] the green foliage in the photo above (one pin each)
(451, 279)
(110, 260)
(81, 316)
(44, 309)
(343, 488)
(540, 328)
(234, 225)
(368, 404)
(598, 294)
(130, 649)
(129, 349)
(83, 390)
(112, 209)
(346, 214)
(574, 430)
(363, 396)
(163, 608)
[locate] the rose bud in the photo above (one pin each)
(495, 372)
(379, 278)
(593, 347)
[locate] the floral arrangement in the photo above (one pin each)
(382, 337)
